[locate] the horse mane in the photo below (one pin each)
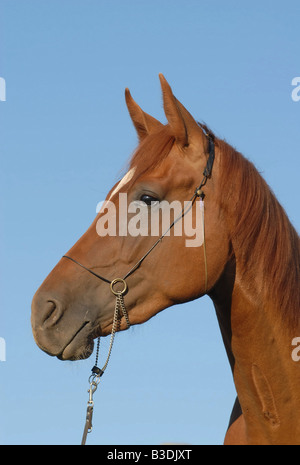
(268, 243)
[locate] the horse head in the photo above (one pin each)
(72, 307)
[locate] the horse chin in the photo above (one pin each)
(76, 353)
(79, 348)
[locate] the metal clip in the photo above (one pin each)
(94, 380)
(88, 423)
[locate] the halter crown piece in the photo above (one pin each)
(97, 372)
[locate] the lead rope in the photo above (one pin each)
(97, 372)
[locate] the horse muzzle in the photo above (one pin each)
(61, 331)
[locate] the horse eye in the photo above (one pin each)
(148, 199)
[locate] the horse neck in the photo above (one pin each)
(254, 317)
(264, 243)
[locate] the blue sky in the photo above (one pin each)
(66, 137)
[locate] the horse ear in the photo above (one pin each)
(144, 123)
(180, 120)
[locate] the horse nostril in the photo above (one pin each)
(47, 320)
(53, 312)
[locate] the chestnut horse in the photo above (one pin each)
(247, 262)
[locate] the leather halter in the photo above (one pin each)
(198, 193)
(97, 372)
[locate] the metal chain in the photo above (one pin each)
(119, 305)
(97, 352)
(97, 372)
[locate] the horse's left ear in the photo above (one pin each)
(144, 123)
(181, 121)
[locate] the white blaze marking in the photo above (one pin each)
(123, 181)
